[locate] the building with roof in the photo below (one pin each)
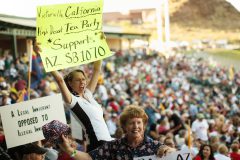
(17, 34)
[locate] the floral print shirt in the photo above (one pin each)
(120, 150)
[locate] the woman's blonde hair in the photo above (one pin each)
(132, 111)
(223, 149)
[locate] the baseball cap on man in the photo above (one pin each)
(32, 148)
(200, 116)
(20, 85)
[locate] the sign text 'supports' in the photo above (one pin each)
(71, 34)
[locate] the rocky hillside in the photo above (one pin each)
(210, 16)
(217, 14)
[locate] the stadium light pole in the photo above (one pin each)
(167, 25)
(159, 27)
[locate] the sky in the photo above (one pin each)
(235, 3)
(27, 8)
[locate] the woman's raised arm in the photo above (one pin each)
(96, 72)
(62, 86)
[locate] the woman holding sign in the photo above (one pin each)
(77, 94)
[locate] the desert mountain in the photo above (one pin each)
(206, 14)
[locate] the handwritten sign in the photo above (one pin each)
(22, 122)
(71, 34)
(178, 155)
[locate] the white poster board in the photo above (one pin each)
(178, 155)
(153, 157)
(76, 128)
(22, 122)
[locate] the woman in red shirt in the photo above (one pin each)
(205, 153)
